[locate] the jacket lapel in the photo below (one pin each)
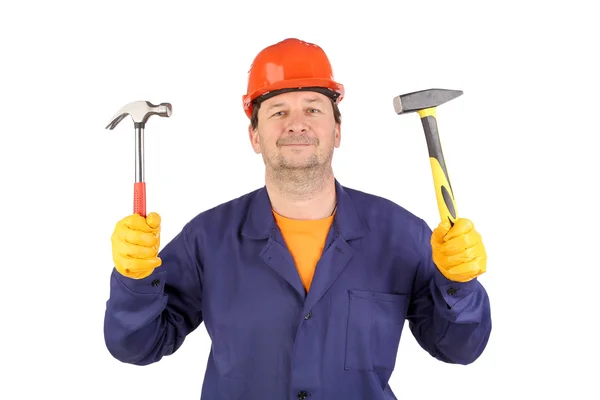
(347, 225)
(260, 225)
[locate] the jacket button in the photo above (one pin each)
(308, 316)
(155, 282)
(452, 291)
(302, 395)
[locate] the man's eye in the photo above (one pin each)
(313, 110)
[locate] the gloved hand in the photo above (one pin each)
(458, 251)
(135, 245)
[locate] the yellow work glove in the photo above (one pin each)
(135, 245)
(458, 251)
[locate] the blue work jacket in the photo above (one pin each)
(229, 268)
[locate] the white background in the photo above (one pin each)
(521, 146)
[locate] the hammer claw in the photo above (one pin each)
(115, 120)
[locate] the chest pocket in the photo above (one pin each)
(375, 322)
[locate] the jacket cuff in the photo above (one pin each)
(452, 291)
(152, 284)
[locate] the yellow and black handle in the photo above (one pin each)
(443, 189)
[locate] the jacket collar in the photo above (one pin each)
(260, 223)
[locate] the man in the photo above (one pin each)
(304, 285)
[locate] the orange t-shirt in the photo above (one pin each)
(305, 240)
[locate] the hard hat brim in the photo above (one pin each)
(299, 84)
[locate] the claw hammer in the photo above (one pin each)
(140, 112)
(425, 102)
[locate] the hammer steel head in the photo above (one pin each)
(416, 101)
(140, 111)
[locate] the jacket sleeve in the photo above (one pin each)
(450, 320)
(149, 318)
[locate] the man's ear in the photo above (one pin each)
(338, 135)
(254, 139)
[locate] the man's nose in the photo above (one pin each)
(297, 122)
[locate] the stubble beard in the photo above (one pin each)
(300, 179)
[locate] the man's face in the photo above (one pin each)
(296, 130)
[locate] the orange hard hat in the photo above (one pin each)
(291, 64)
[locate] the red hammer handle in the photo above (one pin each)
(139, 198)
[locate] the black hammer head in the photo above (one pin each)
(140, 111)
(416, 101)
